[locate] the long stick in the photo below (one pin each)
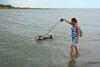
(52, 27)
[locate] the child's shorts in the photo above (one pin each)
(74, 39)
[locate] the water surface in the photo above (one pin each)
(19, 47)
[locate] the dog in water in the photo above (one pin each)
(42, 38)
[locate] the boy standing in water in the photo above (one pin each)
(75, 34)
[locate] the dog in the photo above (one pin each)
(42, 38)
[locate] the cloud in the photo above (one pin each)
(15, 1)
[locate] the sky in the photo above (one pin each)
(53, 3)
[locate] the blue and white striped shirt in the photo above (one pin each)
(74, 31)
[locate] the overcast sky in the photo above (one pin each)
(53, 3)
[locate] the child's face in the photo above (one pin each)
(73, 22)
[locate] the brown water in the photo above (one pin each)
(19, 47)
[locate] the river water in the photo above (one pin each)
(19, 47)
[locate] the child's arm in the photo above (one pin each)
(67, 21)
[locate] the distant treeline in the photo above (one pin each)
(12, 7)
(1, 5)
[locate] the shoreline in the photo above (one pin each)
(24, 8)
(45, 8)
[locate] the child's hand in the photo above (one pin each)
(62, 20)
(77, 41)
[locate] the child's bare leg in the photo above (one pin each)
(77, 49)
(72, 50)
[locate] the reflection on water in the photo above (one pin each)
(38, 41)
(72, 62)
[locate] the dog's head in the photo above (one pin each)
(51, 35)
(39, 37)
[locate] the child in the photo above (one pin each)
(75, 34)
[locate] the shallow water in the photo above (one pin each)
(19, 47)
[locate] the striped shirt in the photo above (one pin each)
(74, 31)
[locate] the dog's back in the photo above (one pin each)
(41, 37)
